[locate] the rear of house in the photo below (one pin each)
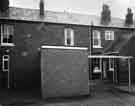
(21, 42)
(112, 54)
(23, 32)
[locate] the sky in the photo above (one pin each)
(94, 7)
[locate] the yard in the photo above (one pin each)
(102, 96)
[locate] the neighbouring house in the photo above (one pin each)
(113, 53)
(23, 32)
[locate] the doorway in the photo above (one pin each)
(109, 70)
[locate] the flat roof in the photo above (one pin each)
(109, 56)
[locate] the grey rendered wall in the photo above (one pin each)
(64, 73)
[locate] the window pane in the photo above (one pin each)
(5, 40)
(68, 33)
(69, 36)
(96, 65)
(5, 62)
(95, 36)
(68, 41)
(5, 65)
(96, 42)
(7, 33)
(109, 35)
(96, 39)
(10, 39)
(5, 57)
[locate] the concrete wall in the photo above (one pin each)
(64, 72)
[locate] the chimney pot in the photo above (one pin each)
(129, 17)
(4, 5)
(41, 7)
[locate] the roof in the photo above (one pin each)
(60, 17)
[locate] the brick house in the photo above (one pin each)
(23, 32)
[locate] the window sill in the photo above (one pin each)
(109, 39)
(111, 69)
(5, 70)
(8, 44)
(97, 47)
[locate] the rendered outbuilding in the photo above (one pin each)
(64, 71)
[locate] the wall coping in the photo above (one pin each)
(63, 47)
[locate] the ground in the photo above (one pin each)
(101, 96)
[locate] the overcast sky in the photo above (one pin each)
(118, 7)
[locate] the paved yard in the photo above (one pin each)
(103, 97)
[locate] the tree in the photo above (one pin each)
(129, 17)
(4, 5)
(105, 14)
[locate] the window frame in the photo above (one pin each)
(98, 39)
(71, 37)
(3, 63)
(2, 28)
(109, 35)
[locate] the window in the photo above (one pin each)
(6, 32)
(96, 65)
(111, 64)
(109, 35)
(96, 39)
(69, 37)
(5, 63)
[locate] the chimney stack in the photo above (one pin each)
(4, 5)
(129, 17)
(105, 15)
(41, 5)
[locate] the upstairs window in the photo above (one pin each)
(5, 63)
(109, 35)
(69, 36)
(6, 32)
(96, 39)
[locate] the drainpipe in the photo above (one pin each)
(91, 38)
(90, 49)
(129, 80)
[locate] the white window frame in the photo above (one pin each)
(98, 38)
(109, 35)
(3, 62)
(7, 32)
(71, 36)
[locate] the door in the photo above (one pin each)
(111, 70)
